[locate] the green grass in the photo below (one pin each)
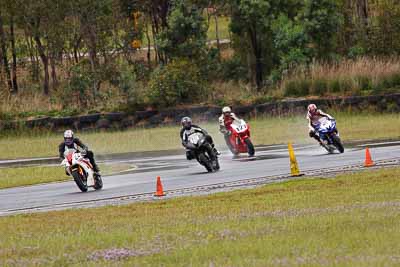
(12, 177)
(264, 131)
(351, 220)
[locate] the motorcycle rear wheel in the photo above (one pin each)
(79, 181)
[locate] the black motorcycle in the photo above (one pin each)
(203, 151)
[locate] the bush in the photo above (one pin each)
(364, 83)
(391, 81)
(176, 83)
(396, 80)
(127, 80)
(297, 88)
(346, 85)
(291, 89)
(79, 87)
(356, 51)
(319, 87)
(378, 87)
(304, 87)
(233, 69)
(335, 86)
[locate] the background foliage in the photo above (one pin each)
(131, 54)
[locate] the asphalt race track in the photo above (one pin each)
(179, 174)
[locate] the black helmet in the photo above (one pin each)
(186, 123)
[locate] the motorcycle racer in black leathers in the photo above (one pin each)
(187, 129)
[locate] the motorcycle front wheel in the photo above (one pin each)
(205, 162)
(216, 164)
(232, 149)
(250, 147)
(98, 183)
(79, 180)
(338, 143)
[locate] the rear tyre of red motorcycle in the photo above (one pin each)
(79, 181)
(250, 147)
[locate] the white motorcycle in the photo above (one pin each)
(79, 167)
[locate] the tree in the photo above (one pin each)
(251, 22)
(156, 13)
(291, 43)
(14, 54)
(38, 17)
(186, 34)
(3, 53)
(321, 21)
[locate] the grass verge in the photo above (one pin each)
(351, 220)
(12, 177)
(264, 131)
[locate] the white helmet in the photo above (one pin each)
(226, 110)
(69, 137)
(312, 109)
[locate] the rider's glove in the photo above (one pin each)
(228, 133)
(83, 152)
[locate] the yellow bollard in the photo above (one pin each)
(294, 166)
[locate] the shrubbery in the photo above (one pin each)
(77, 90)
(233, 69)
(179, 82)
(349, 77)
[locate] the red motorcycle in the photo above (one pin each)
(239, 140)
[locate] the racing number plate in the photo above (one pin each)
(194, 138)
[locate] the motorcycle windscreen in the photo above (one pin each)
(195, 138)
(239, 126)
(326, 126)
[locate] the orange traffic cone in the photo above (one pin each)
(368, 160)
(160, 191)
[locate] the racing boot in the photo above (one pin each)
(216, 151)
(96, 170)
(316, 137)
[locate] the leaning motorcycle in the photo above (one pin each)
(239, 139)
(203, 151)
(329, 135)
(79, 167)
